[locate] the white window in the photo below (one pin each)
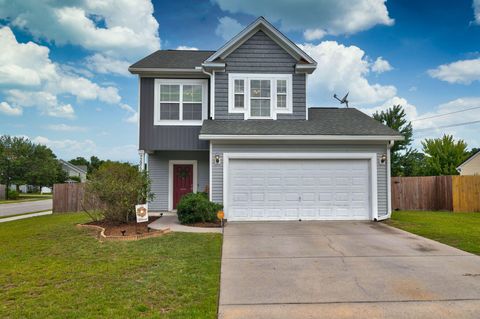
(260, 96)
(239, 92)
(180, 102)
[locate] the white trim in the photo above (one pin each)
(210, 177)
(213, 65)
(170, 179)
(296, 156)
(301, 137)
(247, 77)
(306, 106)
(304, 68)
(181, 83)
(212, 95)
(389, 184)
(264, 25)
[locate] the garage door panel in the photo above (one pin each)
(292, 189)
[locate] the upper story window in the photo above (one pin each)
(180, 102)
(260, 96)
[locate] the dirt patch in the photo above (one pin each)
(216, 224)
(424, 248)
(128, 229)
(412, 289)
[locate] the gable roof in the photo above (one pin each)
(261, 24)
(327, 122)
(469, 159)
(81, 169)
(172, 59)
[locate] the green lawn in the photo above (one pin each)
(51, 269)
(26, 198)
(461, 230)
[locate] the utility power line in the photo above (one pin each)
(447, 126)
(443, 114)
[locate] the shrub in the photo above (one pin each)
(13, 194)
(118, 187)
(195, 208)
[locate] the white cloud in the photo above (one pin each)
(132, 118)
(476, 10)
(331, 16)
(119, 28)
(184, 47)
(29, 63)
(107, 65)
(228, 27)
(410, 109)
(68, 149)
(314, 34)
(133, 115)
(7, 109)
(463, 71)
(340, 69)
(380, 65)
(66, 128)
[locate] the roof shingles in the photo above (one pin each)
(322, 121)
(173, 59)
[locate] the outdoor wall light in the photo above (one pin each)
(383, 159)
(217, 159)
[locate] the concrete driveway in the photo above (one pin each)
(25, 207)
(343, 270)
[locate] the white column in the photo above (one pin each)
(141, 153)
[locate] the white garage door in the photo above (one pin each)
(298, 189)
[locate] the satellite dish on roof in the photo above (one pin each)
(343, 100)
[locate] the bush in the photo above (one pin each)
(195, 208)
(118, 187)
(13, 194)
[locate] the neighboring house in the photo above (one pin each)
(234, 122)
(471, 166)
(79, 171)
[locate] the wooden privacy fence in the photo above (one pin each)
(452, 193)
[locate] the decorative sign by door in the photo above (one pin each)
(142, 213)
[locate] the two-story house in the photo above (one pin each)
(235, 123)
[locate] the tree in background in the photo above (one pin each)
(443, 155)
(403, 157)
(24, 162)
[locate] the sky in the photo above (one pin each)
(63, 64)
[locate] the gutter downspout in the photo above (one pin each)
(389, 183)
(212, 98)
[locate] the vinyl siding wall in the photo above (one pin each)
(156, 137)
(217, 169)
(260, 54)
(158, 172)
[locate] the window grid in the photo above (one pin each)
(282, 94)
(239, 94)
(181, 102)
(260, 98)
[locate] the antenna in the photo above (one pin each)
(343, 100)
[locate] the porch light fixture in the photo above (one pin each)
(383, 159)
(217, 159)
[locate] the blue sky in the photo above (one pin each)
(64, 79)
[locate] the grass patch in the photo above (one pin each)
(460, 230)
(51, 269)
(26, 198)
(38, 211)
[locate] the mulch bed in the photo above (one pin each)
(131, 228)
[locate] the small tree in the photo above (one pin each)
(119, 187)
(401, 151)
(443, 155)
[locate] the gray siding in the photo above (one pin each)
(259, 54)
(156, 137)
(158, 172)
(217, 169)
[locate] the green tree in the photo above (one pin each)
(23, 162)
(401, 152)
(79, 161)
(443, 155)
(95, 164)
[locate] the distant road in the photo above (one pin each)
(25, 207)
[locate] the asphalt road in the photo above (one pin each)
(25, 207)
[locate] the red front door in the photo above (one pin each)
(182, 181)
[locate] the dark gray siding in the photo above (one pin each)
(158, 172)
(217, 169)
(259, 54)
(156, 137)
